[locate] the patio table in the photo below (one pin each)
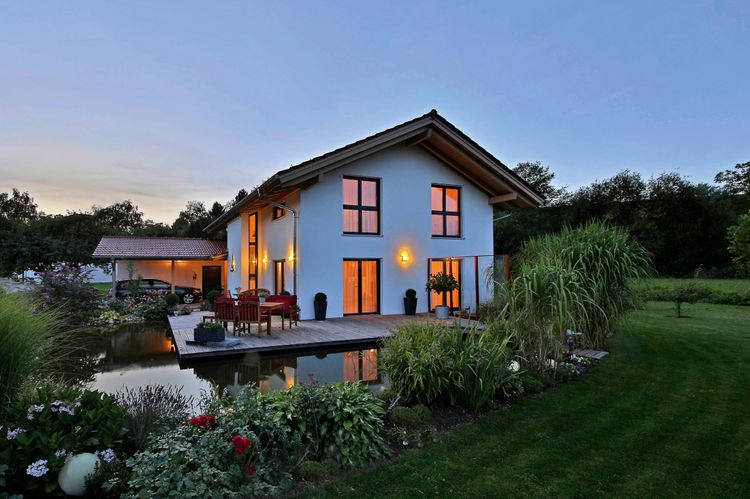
(269, 306)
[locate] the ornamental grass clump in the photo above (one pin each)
(581, 279)
(427, 362)
(26, 342)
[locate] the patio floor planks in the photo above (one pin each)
(307, 334)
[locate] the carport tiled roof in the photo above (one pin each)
(157, 248)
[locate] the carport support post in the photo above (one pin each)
(172, 280)
(114, 278)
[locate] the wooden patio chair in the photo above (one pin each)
(225, 312)
(249, 312)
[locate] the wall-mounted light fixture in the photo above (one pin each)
(265, 259)
(404, 257)
(291, 257)
(232, 265)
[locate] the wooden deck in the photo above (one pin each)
(307, 334)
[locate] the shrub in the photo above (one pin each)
(410, 293)
(151, 306)
(152, 407)
(739, 243)
(171, 299)
(567, 371)
(66, 288)
(686, 293)
(212, 296)
(428, 361)
(208, 325)
(55, 423)
(531, 384)
(313, 471)
(320, 297)
(26, 342)
(411, 417)
(342, 421)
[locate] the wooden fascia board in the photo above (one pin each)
(360, 151)
(487, 162)
(504, 198)
(461, 171)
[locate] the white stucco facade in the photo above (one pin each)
(406, 175)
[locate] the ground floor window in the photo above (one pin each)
(361, 286)
(450, 266)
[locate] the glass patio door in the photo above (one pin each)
(361, 287)
(450, 266)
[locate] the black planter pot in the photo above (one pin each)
(410, 306)
(320, 310)
(205, 335)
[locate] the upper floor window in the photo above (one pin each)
(361, 206)
(278, 213)
(446, 211)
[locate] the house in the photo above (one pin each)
(367, 221)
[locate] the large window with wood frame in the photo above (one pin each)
(446, 211)
(252, 278)
(361, 205)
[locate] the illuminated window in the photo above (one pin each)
(446, 211)
(361, 206)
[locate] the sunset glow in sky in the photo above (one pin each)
(164, 102)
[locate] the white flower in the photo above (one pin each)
(60, 452)
(37, 468)
(514, 366)
(108, 455)
(12, 433)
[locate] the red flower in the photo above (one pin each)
(240, 444)
(251, 470)
(203, 421)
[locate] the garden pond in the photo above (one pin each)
(132, 355)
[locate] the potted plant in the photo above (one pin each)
(171, 300)
(442, 283)
(211, 298)
(208, 331)
(262, 295)
(321, 305)
(410, 302)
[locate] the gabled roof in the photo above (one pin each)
(430, 132)
(159, 248)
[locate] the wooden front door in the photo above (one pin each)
(211, 278)
(361, 287)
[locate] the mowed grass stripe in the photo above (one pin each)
(667, 415)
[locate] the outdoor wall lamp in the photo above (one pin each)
(265, 260)
(404, 257)
(232, 265)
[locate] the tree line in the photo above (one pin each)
(33, 240)
(685, 225)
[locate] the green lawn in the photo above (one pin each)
(727, 285)
(102, 287)
(667, 415)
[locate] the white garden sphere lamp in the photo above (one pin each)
(72, 477)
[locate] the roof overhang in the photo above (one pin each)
(430, 132)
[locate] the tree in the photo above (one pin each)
(735, 181)
(192, 220)
(17, 206)
(217, 210)
(121, 217)
(242, 194)
(540, 177)
(739, 243)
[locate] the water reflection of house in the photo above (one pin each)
(285, 372)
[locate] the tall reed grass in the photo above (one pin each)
(582, 279)
(26, 342)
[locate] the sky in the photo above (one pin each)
(165, 102)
